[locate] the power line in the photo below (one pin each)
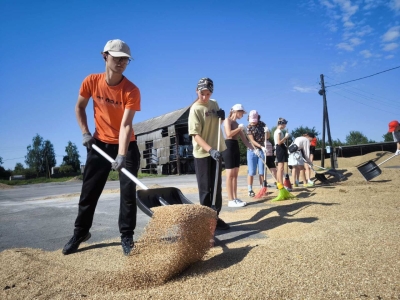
(364, 77)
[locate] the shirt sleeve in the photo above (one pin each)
(133, 102)
(85, 91)
(195, 126)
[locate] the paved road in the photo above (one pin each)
(42, 215)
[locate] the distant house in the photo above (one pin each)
(164, 144)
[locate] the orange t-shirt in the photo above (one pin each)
(109, 103)
(314, 142)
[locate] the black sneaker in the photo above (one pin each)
(127, 244)
(221, 225)
(74, 243)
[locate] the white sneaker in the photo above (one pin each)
(237, 199)
(235, 203)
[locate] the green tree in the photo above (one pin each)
(40, 157)
(1, 160)
(299, 131)
(387, 137)
(356, 138)
(72, 157)
(19, 169)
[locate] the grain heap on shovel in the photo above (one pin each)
(176, 237)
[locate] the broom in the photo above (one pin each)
(263, 190)
(286, 182)
(284, 194)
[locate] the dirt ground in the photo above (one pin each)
(335, 241)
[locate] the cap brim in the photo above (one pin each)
(119, 54)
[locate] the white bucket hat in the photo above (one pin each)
(238, 107)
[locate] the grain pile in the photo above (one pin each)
(337, 241)
(176, 237)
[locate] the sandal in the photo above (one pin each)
(251, 193)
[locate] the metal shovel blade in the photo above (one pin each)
(369, 170)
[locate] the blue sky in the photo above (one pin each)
(266, 55)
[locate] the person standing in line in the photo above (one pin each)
(313, 144)
(269, 152)
(204, 116)
(231, 155)
(280, 148)
(115, 102)
(303, 151)
(255, 159)
(394, 128)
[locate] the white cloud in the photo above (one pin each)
(364, 31)
(392, 34)
(339, 68)
(348, 24)
(355, 41)
(304, 89)
(390, 47)
(327, 4)
(345, 46)
(395, 5)
(389, 56)
(366, 53)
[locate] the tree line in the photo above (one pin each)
(41, 158)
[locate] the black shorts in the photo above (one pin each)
(231, 155)
(312, 150)
(281, 153)
(271, 162)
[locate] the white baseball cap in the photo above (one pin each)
(239, 107)
(117, 48)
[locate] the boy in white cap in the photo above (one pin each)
(115, 101)
(394, 128)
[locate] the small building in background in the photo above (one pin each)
(165, 145)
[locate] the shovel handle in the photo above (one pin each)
(386, 160)
(123, 170)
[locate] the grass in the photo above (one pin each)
(113, 176)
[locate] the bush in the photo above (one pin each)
(66, 169)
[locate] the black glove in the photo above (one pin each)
(88, 140)
(215, 154)
(221, 114)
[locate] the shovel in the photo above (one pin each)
(370, 169)
(149, 198)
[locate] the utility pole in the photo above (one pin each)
(325, 124)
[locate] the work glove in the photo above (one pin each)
(241, 126)
(221, 114)
(287, 135)
(257, 152)
(264, 150)
(397, 152)
(215, 154)
(266, 129)
(88, 140)
(119, 163)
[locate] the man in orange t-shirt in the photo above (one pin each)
(115, 101)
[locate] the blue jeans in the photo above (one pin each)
(253, 161)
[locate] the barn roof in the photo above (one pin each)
(159, 122)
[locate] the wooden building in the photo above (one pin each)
(165, 145)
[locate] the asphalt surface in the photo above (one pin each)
(42, 215)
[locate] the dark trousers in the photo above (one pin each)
(205, 173)
(95, 177)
